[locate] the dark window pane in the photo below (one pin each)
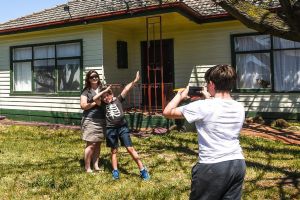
(44, 76)
(68, 75)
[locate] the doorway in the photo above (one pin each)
(157, 72)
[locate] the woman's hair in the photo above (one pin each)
(87, 79)
(223, 76)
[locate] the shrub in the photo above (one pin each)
(258, 120)
(280, 123)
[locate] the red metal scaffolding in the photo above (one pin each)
(154, 34)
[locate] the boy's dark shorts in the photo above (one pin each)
(115, 134)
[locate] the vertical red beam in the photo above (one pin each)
(148, 67)
(144, 94)
(140, 96)
(161, 66)
(157, 69)
(154, 67)
(134, 96)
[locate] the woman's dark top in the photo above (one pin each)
(96, 112)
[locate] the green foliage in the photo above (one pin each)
(258, 119)
(280, 123)
(40, 163)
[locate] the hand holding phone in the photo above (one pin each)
(195, 91)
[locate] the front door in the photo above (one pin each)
(154, 76)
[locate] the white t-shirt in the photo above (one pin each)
(218, 122)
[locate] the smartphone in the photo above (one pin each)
(195, 91)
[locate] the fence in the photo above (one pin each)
(146, 98)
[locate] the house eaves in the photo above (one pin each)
(92, 11)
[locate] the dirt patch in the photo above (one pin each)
(285, 135)
(256, 130)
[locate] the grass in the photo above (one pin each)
(41, 163)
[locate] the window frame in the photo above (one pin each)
(270, 51)
(56, 59)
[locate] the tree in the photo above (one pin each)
(282, 21)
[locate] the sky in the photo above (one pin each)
(12, 9)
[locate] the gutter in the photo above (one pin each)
(179, 7)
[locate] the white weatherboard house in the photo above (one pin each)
(44, 56)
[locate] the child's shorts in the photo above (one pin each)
(115, 134)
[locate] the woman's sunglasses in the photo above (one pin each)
(94, 77)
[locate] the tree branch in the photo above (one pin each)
(288, 12)
(259, 19)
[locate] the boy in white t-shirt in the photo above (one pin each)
(220, 171)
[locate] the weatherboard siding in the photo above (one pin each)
(92, 59)
(113, 74)
(195, 50)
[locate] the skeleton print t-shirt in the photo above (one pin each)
(114, 113)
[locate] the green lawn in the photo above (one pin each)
(41, 163)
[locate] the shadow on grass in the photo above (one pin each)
(106, 165)
(290, 178)
(62, 164)
(268, 150)
(176, 144)
(271, 156)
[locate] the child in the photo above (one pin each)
(117, 129)
(219, 120)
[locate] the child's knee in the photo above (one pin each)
(114, 151)
(132, 151)
(92, 145)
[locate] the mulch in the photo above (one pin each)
(255, 130)
(285, 135)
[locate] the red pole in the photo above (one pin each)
(148, 67)
(155, 67)
(161, 67)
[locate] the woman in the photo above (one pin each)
(93, 120)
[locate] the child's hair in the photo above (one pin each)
(223, 76)
(108, 91)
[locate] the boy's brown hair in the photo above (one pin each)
(223, 76)
(108, 91)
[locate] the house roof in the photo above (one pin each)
(83, 11)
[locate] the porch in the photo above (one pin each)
(144, 104)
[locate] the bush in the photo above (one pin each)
(280, 123)
(258, 120)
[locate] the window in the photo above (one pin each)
(47, 68)
(122, 54)
(266, 63)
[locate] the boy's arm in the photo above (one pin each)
(130, 85)
(172, 111)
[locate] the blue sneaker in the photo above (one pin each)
(115, 174)
(144, 174)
